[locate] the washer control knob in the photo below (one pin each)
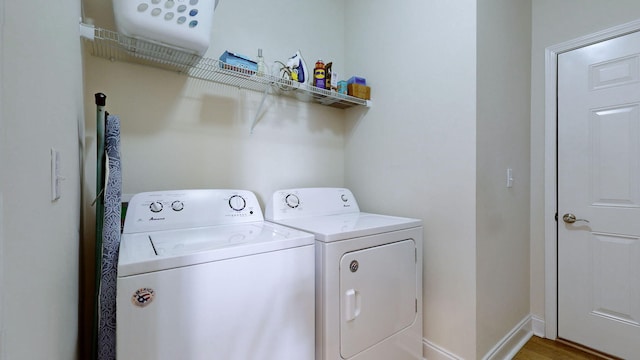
(155, 206)
(344, 198)
(237, 202)
(292, 201)
(177, 205)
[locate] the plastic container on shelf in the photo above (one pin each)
(342, 86)
(237, 62)
(357, 80)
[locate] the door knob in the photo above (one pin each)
(570, 219)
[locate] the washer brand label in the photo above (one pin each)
(354, 266)
(156, 219)
(143, 297)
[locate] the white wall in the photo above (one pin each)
(41, 108)
(504, 59)
(414, 152)
(200, 130)
(180, 132)
(555, 22)
(436, 146)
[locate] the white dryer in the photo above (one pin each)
(368, 274)
(202, 276)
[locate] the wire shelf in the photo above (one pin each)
(118, 47)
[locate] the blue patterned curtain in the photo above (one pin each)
(110, 242)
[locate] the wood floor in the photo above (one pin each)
(542, 349)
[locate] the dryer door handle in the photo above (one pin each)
(352, 303)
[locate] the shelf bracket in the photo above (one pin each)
(259, 111)
(87, 31)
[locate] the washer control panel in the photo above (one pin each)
(179, 209)
(306, 202)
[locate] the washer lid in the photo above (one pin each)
(161, 250)
(347, 226)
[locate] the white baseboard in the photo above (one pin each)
(538, 326)
(431, 351)
(505, 349)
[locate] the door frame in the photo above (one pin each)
(2, 149)
(551, 164)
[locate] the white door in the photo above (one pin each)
(599, 181)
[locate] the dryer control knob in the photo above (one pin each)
(155, 206)
(237, 202)
(292, 201)
(177, 205)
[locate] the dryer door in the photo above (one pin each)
(378, 294)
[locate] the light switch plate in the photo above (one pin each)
(55, 174)
(509, 178)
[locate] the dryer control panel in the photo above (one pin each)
(308, 202)
(179, 209)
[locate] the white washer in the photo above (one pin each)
(202, 276)
(368, 274)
